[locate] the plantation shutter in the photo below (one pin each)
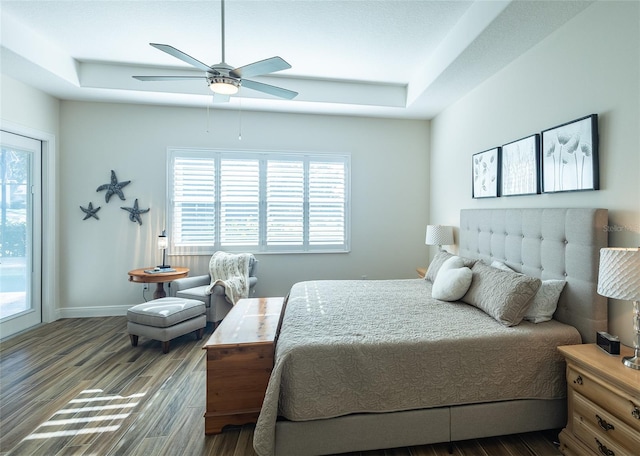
(285, 203)
(327, 196)
(193, 210)
(257, 201)
(239, 202)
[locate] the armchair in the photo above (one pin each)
(216, 303)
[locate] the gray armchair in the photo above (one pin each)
(217, 305)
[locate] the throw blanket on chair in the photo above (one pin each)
(232, 272)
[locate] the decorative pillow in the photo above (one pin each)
(499, 265)
(439, 260)
(545, 302)
(452, 281)
(501, 294)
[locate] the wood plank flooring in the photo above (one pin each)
(77, 387)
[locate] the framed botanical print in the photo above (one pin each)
(570, 156)
(519, 167)
(486, 173)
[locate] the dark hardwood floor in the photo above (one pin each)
(77, 387)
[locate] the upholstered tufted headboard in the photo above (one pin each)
(548, 244)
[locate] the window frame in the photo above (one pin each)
(218, 155)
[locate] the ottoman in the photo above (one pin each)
(165, 319)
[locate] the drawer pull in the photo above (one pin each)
(604, 450)
(604, 425)
(636, 411)
(578, 380)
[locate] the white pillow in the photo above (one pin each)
(453, 280)
(544, 303)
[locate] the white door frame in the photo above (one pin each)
(50, 292)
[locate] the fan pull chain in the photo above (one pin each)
(208, 120)
(240, 121)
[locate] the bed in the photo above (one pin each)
(365, 365)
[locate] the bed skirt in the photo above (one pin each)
(370, 431)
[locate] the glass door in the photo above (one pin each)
(20, 233)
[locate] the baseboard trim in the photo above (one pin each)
(87, 312)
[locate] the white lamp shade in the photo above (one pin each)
(619, 275)
(163, 240)
(439, 235)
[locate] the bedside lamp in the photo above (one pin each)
(439, 235)
(619, 278)
(163, 243)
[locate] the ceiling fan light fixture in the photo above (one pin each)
(224, 85)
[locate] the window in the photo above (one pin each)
(262, 202)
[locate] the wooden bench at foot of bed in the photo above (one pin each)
(239, 363)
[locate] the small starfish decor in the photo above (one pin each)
(134, 212)
(113, 188)
(90, 212)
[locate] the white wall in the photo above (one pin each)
(591, 65)
(389, 184)
(22, 104)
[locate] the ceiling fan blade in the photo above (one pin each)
(262, 67)
(165, 78)
(182, 56)
(271, 90)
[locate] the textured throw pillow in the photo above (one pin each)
(501, 294)
(452, 281)
(545, 302)
(439, 260)
(499, 265)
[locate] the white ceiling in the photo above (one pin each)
(392, 58)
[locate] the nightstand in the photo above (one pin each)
(603, 399)
(421, 272)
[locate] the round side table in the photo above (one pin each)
(159, 278)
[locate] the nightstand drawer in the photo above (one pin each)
(624, 407)
(571, 446)
(601, 424)
(597, 443)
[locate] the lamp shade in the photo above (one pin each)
(163, 240)
(619, 275)
(439, 235)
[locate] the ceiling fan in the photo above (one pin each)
(223, 79)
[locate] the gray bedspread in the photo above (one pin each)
(379, 346)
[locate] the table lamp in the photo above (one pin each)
(619, 278)
(439, 235)
(163, 243)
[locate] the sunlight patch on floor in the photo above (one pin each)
(88, 419)
(79, 418)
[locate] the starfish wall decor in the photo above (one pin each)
(113, 188)
(134, 212)
(90, 211)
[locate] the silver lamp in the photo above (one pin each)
(439, 235)
(619, 278)
(163, 243)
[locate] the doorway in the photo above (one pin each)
(20, 233)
